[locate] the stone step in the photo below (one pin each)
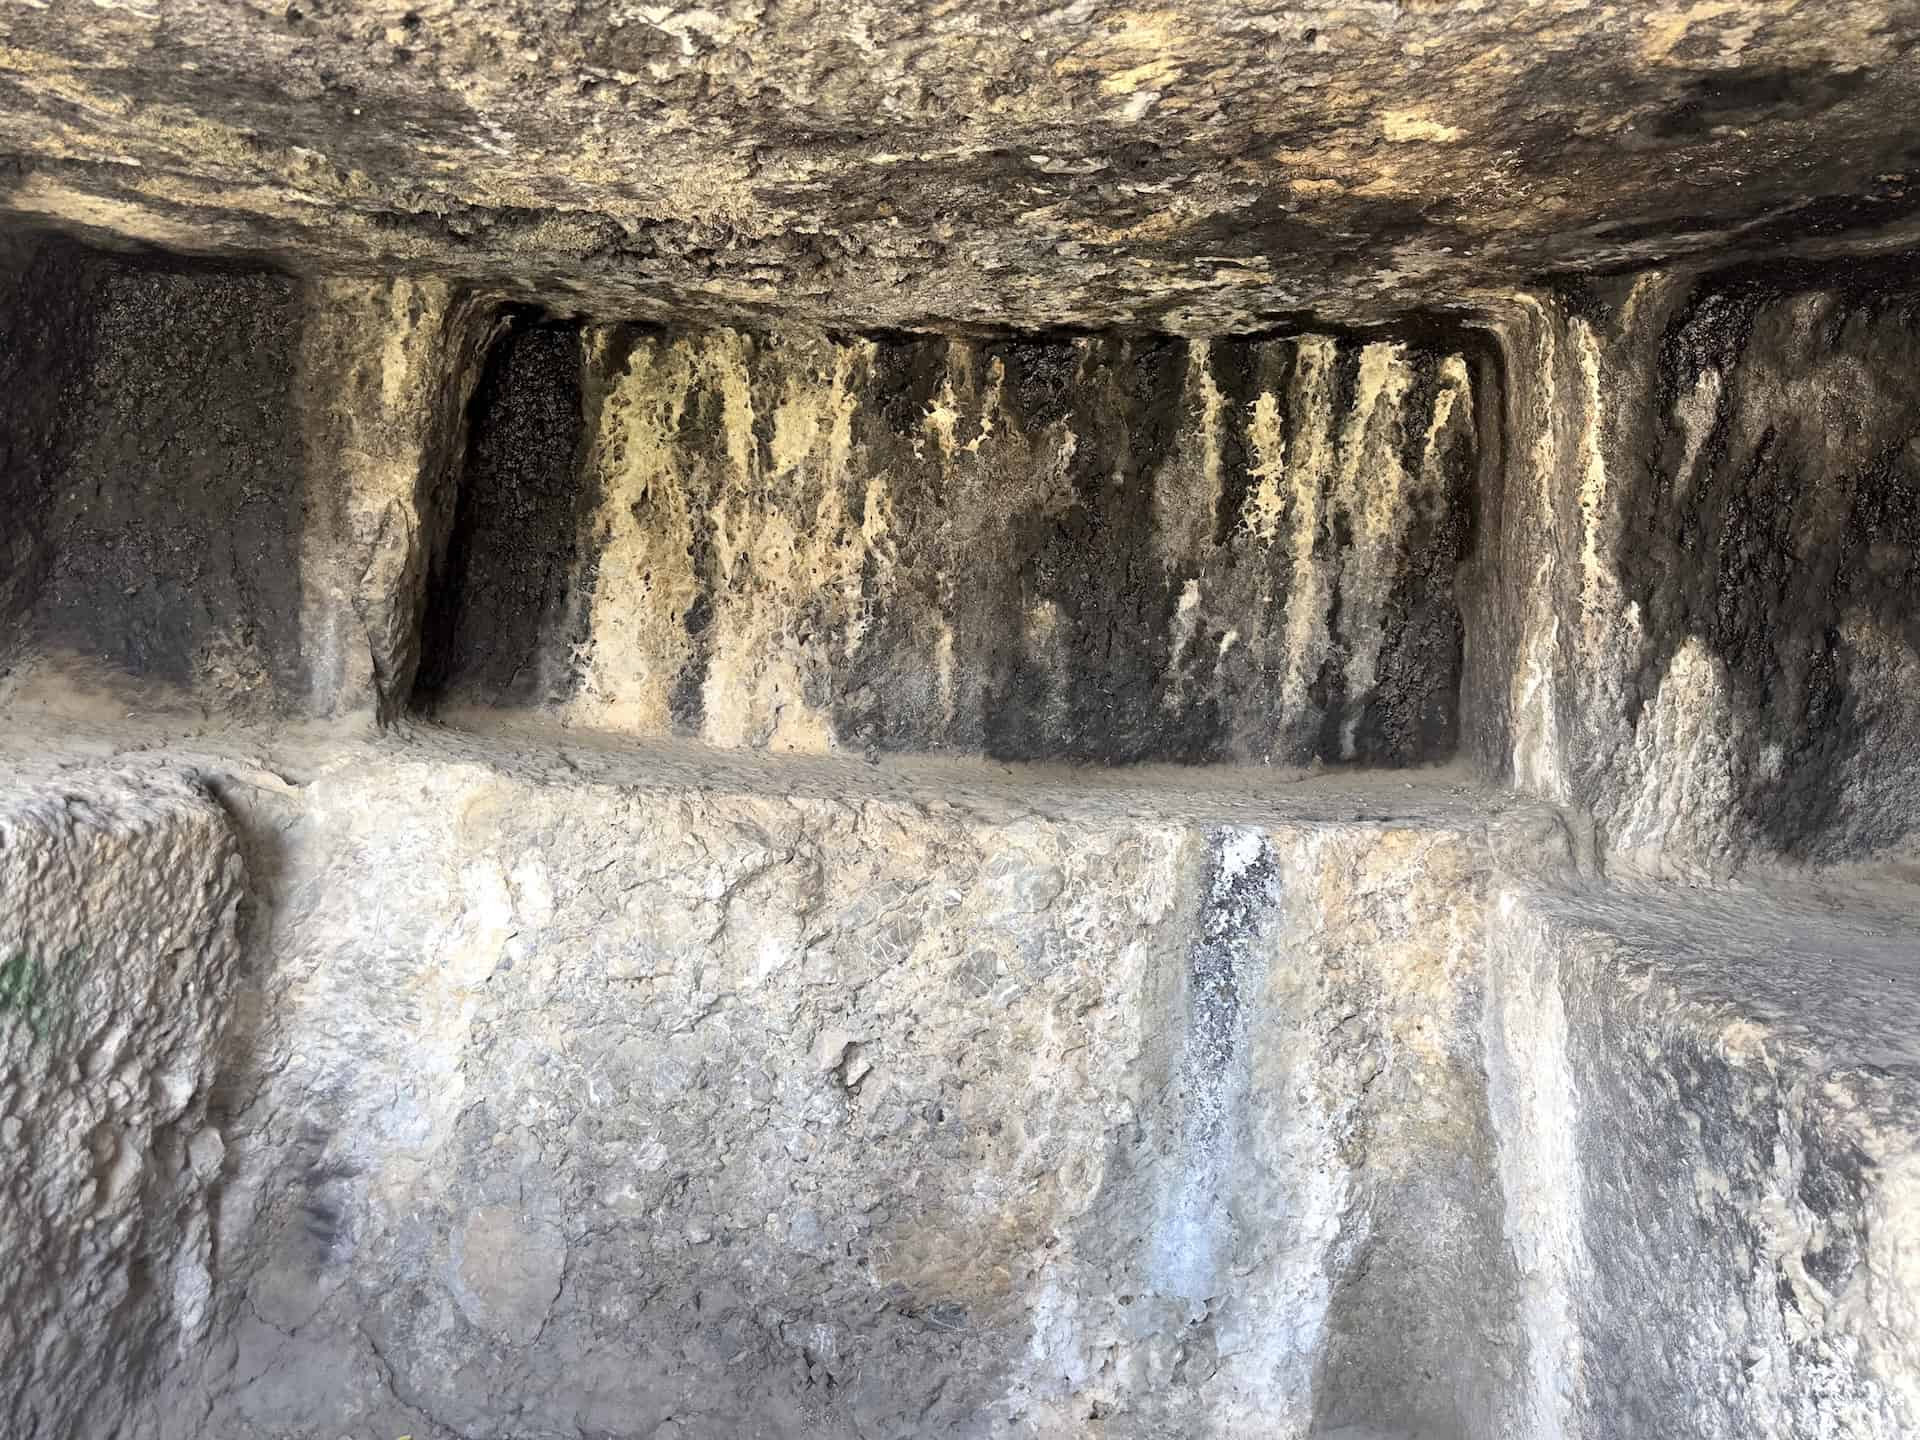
(1708, 1107)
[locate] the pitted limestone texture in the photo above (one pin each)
(1200, 167)
(119, 949)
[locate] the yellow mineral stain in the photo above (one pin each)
(784, 542)
(943, 671)
(724, 363)
(1139, 39)
(1390, 183)
(1309, 593)
(1372, 492)
(645, 581)
(41, 194)
(942, 420)
(1667, 27)
(1455, 392)
(755, 689)
(60, 75)
(1187, 490)
(1644, 285)
(1401, 126)
(991, 404)
(1599, 590)
(1266, 502)
(1212, 405)
(1186, 618)
(1534, 698)
(400, 353)
(809, 416)
(1153, 75)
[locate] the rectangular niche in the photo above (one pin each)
(1085, 548)
(153, 471)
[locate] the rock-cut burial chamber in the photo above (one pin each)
(568, 878)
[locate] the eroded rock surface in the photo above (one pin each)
(1088, 549)
(1719, 1230)
(1200, 167)
(682, 538)
(1091, 549)
(938, 1100)
(157, 501)
(1696, 608)
(386, 373)
(852, 1112)
(224, 488)
(118, 953)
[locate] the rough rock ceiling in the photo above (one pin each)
(1203, 166)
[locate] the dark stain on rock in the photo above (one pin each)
(1239, 376)
(1098, 695)
(157, 442)
(1777, 539)
(1040, 376)
(46, 343)
(1066, 637)
(1412, 708)
(686, 702)
(501, 597)
(1020, 595)
(1834, 1180)
(1730, 97)
(907, 371)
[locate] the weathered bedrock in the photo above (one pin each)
(695, 1014)
(119, 952)
(1198, 167)
(224, 484)
(846, 1111)
(1702, 561)
(1088, 549)
(628, 1092)
(851, 722)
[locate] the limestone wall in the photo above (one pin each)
(274, 497)
(118, 953)
(1691, 612)
(156, 466)
(688, 1013)
(645, 1093)
(1089, 549)
(1704, 1108)
(808, 1102)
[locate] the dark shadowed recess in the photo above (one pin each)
(46, 342)
(1093, 562)
(499, 598)
(1124, 680)
(1123, 676)
(153, 465)
(1798, 519)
